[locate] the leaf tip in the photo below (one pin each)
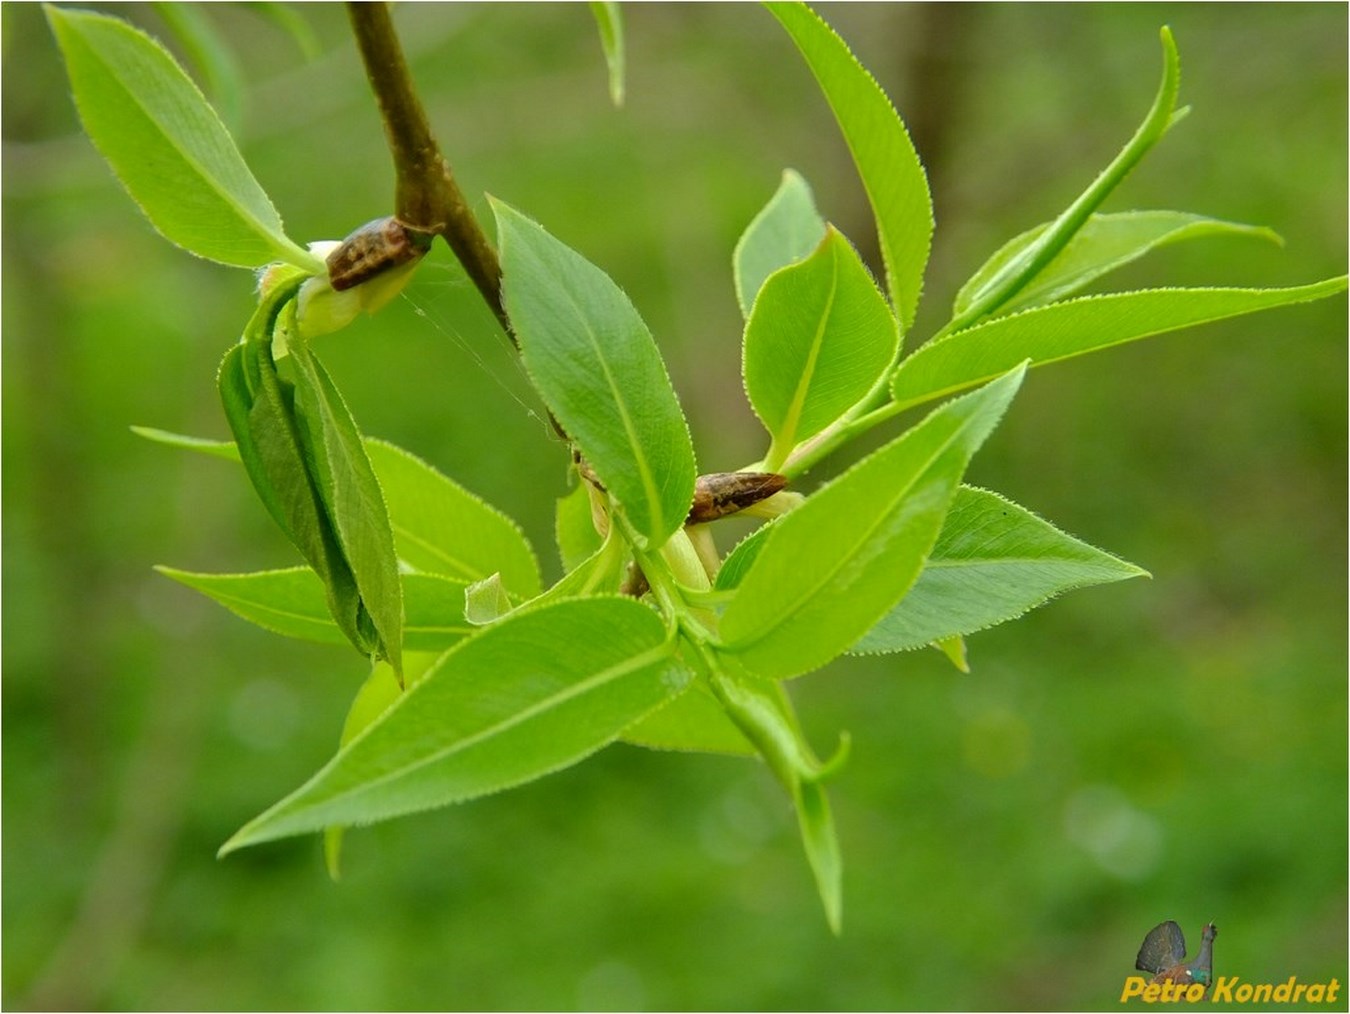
(234, 843)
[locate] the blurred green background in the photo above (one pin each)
(1173, 748)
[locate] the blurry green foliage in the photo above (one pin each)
(1164, 749)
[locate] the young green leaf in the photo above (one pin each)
(524, 697)
(574, 528)
(833, 567)
(351, 496)
(214, 448)
(292, 602)
(1063, 330)
(1104, 243)
(764, 714)
(786, 230)
(439, 526)
(815, 821)
(601, 573)
(609, 21)
(992, 562)
(594, 361)
(887, 163)
(737, 563)
(486, 601)
(1014, 274)
(168, 146)
(819, 337)
(376, 696)
(260, 413)
(442, 528)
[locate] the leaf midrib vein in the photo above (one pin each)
(618, 671)
(865, 534)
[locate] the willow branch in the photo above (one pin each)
(426, 196)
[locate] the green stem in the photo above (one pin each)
(812, 453)
(1018, 272)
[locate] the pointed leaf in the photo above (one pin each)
(1104, 243)
(764, 714)
(260, 412)
(955, 650)
(167, 145)
(834, 566)
(289, 602)
(993, 562)
(738, 561)
(821, 841)
(442, 528)
(292, 602)
(786, 230)
(486, 601)
(593, 360)
(820, 336)
(1018, 271)
(377, 695)
(527, 696)
(215, 448)
(352, 497)
(1063, 330)
(609, 21)
(439, 526)
(887, 163)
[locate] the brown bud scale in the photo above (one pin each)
(371, 250)
(721, 493)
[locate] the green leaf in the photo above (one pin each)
(486, 601)
(819, 337)
(377, 695)
(1104, 243)
(786, 230)
(351, 495)
(599, 574)
(527, 696)
(694, 722)
(167, 145)
(955, 650)
(610, 23)
(439, 526)
(215, 61)
(574, 528)
(834, 566)
(764, 714)
(594, 362)
(1013, 275)
(993, 562)
(442, 528)
(737, 563)
(887, 163)
(292, 602)
(260, 412)
(816, 824)
(1063, 330)
(214, 448)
